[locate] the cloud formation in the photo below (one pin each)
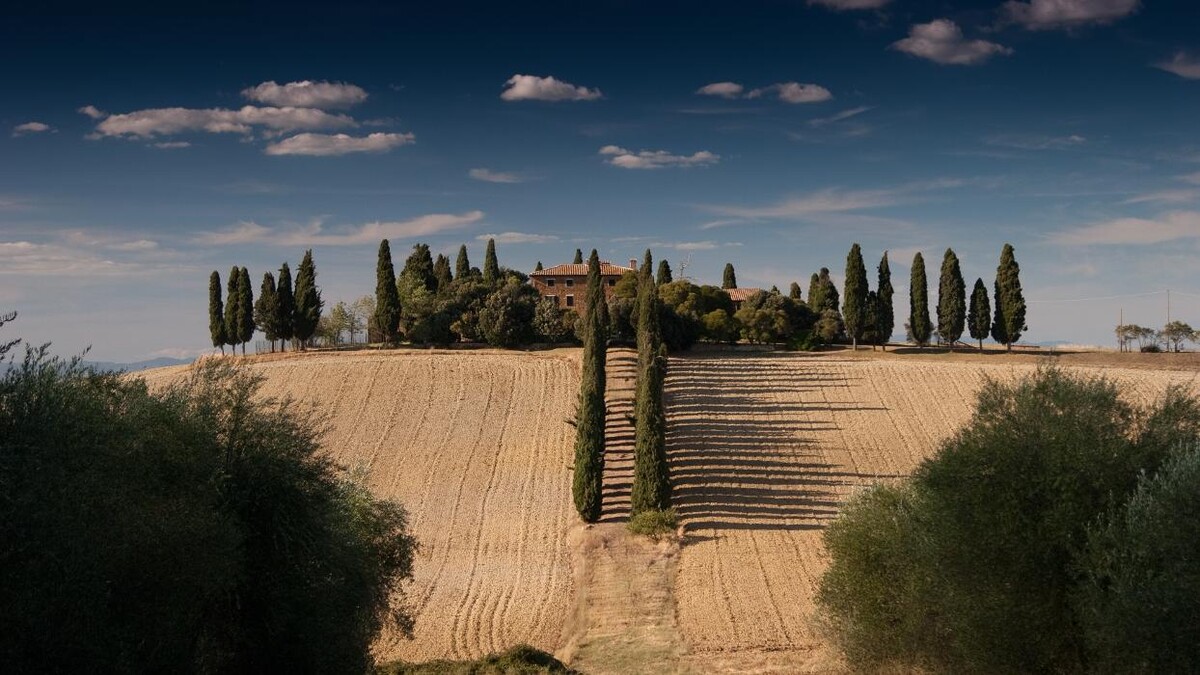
(325, 145)
(840, 117)
(1171, 226)
(1066, 14)
(314, 234)
(824, 202)
(794, 92)
(1183, 65)
(844, 5)
(307, 94)
(171, 145)
(941, 41)
(655, 159)
(518, 238)
(1036, 142)
(534, 88)
(31, 128)
(153, 122)
(722, 89)
(489, 176)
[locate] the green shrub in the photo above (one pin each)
(519, 660)
(654, 523)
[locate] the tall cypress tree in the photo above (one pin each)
(814, 293)
(233, 297)
(286, 307)
(441, 272)
(829, 292)
(216, 311)
(870, 333)
(1009, 320)
(979, 317)
(651, 476)
(918, 305)
(885, 312)
(729, 278)
(308, 301)
(419, 267)
(664, 273)
(491, 266)
(952, 300)
(649, 334)
(578, 259)
(854, 301)
(387, 298)
(538, 267)
(245, 309)
(462, 266)
(589, 427)
(794, 292)
(266, 309)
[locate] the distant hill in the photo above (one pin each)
(138, 365)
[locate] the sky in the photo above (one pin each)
(142, 147)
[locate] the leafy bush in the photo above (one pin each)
(654, 523)
(805, 341)
(720, 327)
(506, 319)
(983, 546)
(519, 660)
(194, 529)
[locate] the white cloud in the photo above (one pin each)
(518, 238)
(844, 115)
(307, 94)
(171, 145)
(314, 234)
(489, 176)
(843, 5)
(824, 202)
(1165, 197)
(794, 92)
(1054, 14)
(72, 259)
(1171, 226)
(1183, 65)
(324, 145)
(722, 89)
(153, 122)
(31, 128)
(1036, 142)
(534, 88)
(655, 159)
(695, 246)
(92, 112)
(941, 41)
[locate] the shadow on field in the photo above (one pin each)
(741, 460)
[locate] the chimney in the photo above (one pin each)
(633, 263)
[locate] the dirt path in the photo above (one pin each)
(621, 380)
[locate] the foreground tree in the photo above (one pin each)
(952, 300)
(491, 266)
(590, 414)
(885, 311)
(308, 301)
(919, 327)
(386, 318)
(979, 316)
(266, 310)
(651, 478)
(216, 311)
(286, 307)
(204, 530)
(1009, 321)
(854, 301)
(245, 309)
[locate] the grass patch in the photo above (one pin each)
(654, 523)
(519, 660)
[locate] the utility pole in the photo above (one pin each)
(1120, 335)
(1168, 305)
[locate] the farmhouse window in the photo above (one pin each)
(550, 282)
(570, 301)
(552, 297)
(612, 282)
(570, 283)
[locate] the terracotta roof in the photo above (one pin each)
(741, 294)
(581, 270)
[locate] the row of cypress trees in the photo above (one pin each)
(651, 481)
(281, 312)
(590, 413)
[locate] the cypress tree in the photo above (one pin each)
(649, 334)
(308, 301)
(491, 267)
(729, 279)
(589, 426)
(664, 273)
(854, 304)
(871, 333)
(886, 314)
(441, 272)
(285, 307)
(419, 267)
(952, 300)
(979, 318)
(538, 267)
(1009, 320)
(387, 298)
(794, 292)
(651, 476)
(266, 309)
(233, 297)
(829, 292)
(216, 311)
(814, 293)
(578, 260)
(462, 266)
(245, 309)
(918, 293)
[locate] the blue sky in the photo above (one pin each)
(142, 148)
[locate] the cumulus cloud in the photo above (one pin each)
(1183, 65)
(941, 41)
(315, 234)
(722, 89)
(844, 5)
(1060, 14)
(324, 145)
(534, 88)
(655, 159)
(518, 238)
(31, 128)
(153, 122)
(1172, 226)
(794, 92)
(93, 112)
(307, 94)
(489, 176)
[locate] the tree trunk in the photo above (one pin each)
(854, 343)
(980, 344)
(1008, 347)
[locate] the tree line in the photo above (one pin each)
(1173, 336)
(283, 313)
